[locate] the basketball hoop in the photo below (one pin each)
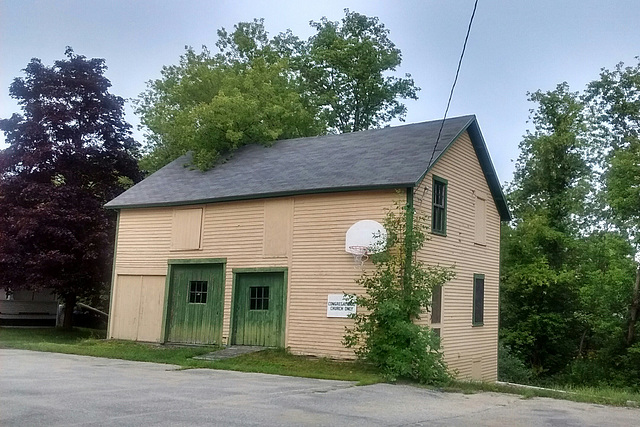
(360, 255)
(363, 238)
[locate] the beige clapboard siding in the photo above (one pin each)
(320, 265)
(232, 230)
(144, 238)
(463, 343)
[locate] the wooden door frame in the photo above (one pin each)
(285, 284)
(167, 287)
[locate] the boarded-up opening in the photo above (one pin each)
(186, 229)
(481, 220)
(137, 308)
(277, 227)
(476, 369)
(436, 304)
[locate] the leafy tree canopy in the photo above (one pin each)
(570, 288)
(539, 290)
(552, 174)
(258, 89)
(615, 100)
(346, 65)
(212, 105)
(70, 151)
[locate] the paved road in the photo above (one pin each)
(38, 389)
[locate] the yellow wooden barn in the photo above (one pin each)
(253, 251)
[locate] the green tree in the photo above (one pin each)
(615, 101)
(211, 105)
(398, 293)
(569, 304)
(604, 271)
(345, 65)
(552, 175)
(258, 89)
(539, 290)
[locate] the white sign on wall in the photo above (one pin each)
(338, 305)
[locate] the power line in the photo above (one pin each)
(464, 47)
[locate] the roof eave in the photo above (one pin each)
(482, 152)
(394, 186)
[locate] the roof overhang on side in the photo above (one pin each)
(482, 153)
(489, 171)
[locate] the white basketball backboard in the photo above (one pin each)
(367, 235)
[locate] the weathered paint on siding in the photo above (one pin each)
(259, 323)
(194, 317)
(318, 264)
(235, 231)
(472, 350)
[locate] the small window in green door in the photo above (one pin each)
(259, 298)
(198, 291)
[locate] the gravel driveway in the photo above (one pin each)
(65, 390)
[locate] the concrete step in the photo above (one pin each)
(231, 351)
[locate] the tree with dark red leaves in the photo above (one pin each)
(70, 151)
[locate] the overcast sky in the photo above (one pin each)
(514, 47)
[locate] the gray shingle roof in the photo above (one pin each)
(392, 157)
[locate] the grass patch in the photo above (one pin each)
(279, 361)
(21, 337)
(600, 395)
(89, 342)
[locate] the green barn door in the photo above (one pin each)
(196, 299)
(259, 305)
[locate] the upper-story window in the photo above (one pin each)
(439, 203)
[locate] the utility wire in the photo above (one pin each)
(464, 47)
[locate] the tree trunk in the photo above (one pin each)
(584, 334)
(635, 306)
(69, 305)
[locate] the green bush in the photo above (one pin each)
(613, 366)
(511, 368)
(631, 364)
(588, 371)
(398, 291)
